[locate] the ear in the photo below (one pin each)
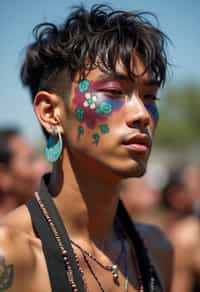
(48, 110)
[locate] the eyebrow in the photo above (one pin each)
(113, 75)
(121, 76)
(152, 82)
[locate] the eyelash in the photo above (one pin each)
(113, 91)
(116, 91)
(151, 96)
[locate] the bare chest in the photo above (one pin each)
(95, 278)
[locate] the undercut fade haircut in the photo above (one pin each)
(98, 37)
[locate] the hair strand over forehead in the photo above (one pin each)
(101, 36)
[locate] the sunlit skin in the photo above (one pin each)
(96, 169)
(97, 100)
(137, 114)
(85, 181)
(94, 105)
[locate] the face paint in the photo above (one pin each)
(83, 85)
(79, 112)
(104, 128)
(96, 138)
(92, 107)
(80, 131)
(152, 109)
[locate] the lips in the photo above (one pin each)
(140, 143)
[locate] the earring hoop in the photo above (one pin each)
(54, 146)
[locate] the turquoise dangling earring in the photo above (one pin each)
(54, 147)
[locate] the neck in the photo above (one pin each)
(86, 203)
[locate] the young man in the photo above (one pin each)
(20, 169)
(94, 82)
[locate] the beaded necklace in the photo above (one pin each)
(113, 268)
(67, 264)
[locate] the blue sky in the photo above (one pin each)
(179, 19)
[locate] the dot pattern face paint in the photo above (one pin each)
(96, 138)
(152, 109)
(79, 113)
(93, 107)
(104, 128)
(80, 131)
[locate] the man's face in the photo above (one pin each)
(24, 170)
(111, 120)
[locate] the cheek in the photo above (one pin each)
(153, 110)
(93, 112)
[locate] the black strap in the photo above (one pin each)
(57, 273)
(141, 252)
(53, 213)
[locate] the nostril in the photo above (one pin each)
(141, 118)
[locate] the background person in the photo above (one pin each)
(20, 169)
(182, 224)
(175, 210)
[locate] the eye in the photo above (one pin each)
(150, 97)
(113, 91)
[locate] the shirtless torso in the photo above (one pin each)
(21, 249)
(94, 82)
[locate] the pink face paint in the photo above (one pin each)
(93, 106)
(105, 84)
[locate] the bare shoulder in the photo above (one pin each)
(187, 247)
(17, 245)
(160, 250)
(190, 226)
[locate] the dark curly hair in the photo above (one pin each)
(99, 37)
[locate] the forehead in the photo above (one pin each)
(137, 68)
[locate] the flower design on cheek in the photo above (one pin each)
(92, 108)
(83, 85)
(79, 113)
(104, 108)
(90, 100)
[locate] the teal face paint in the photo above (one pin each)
(92, 107)
(104, 128)
(80, 131)
(79, 113)
(83, 85)
(104, 107)
(96, 138)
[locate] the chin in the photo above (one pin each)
(135, 170)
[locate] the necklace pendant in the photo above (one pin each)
(115, 272)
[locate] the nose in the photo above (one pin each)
(137, 113)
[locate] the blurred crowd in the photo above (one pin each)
(21, 168)
(175, 209)
(173, 206)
